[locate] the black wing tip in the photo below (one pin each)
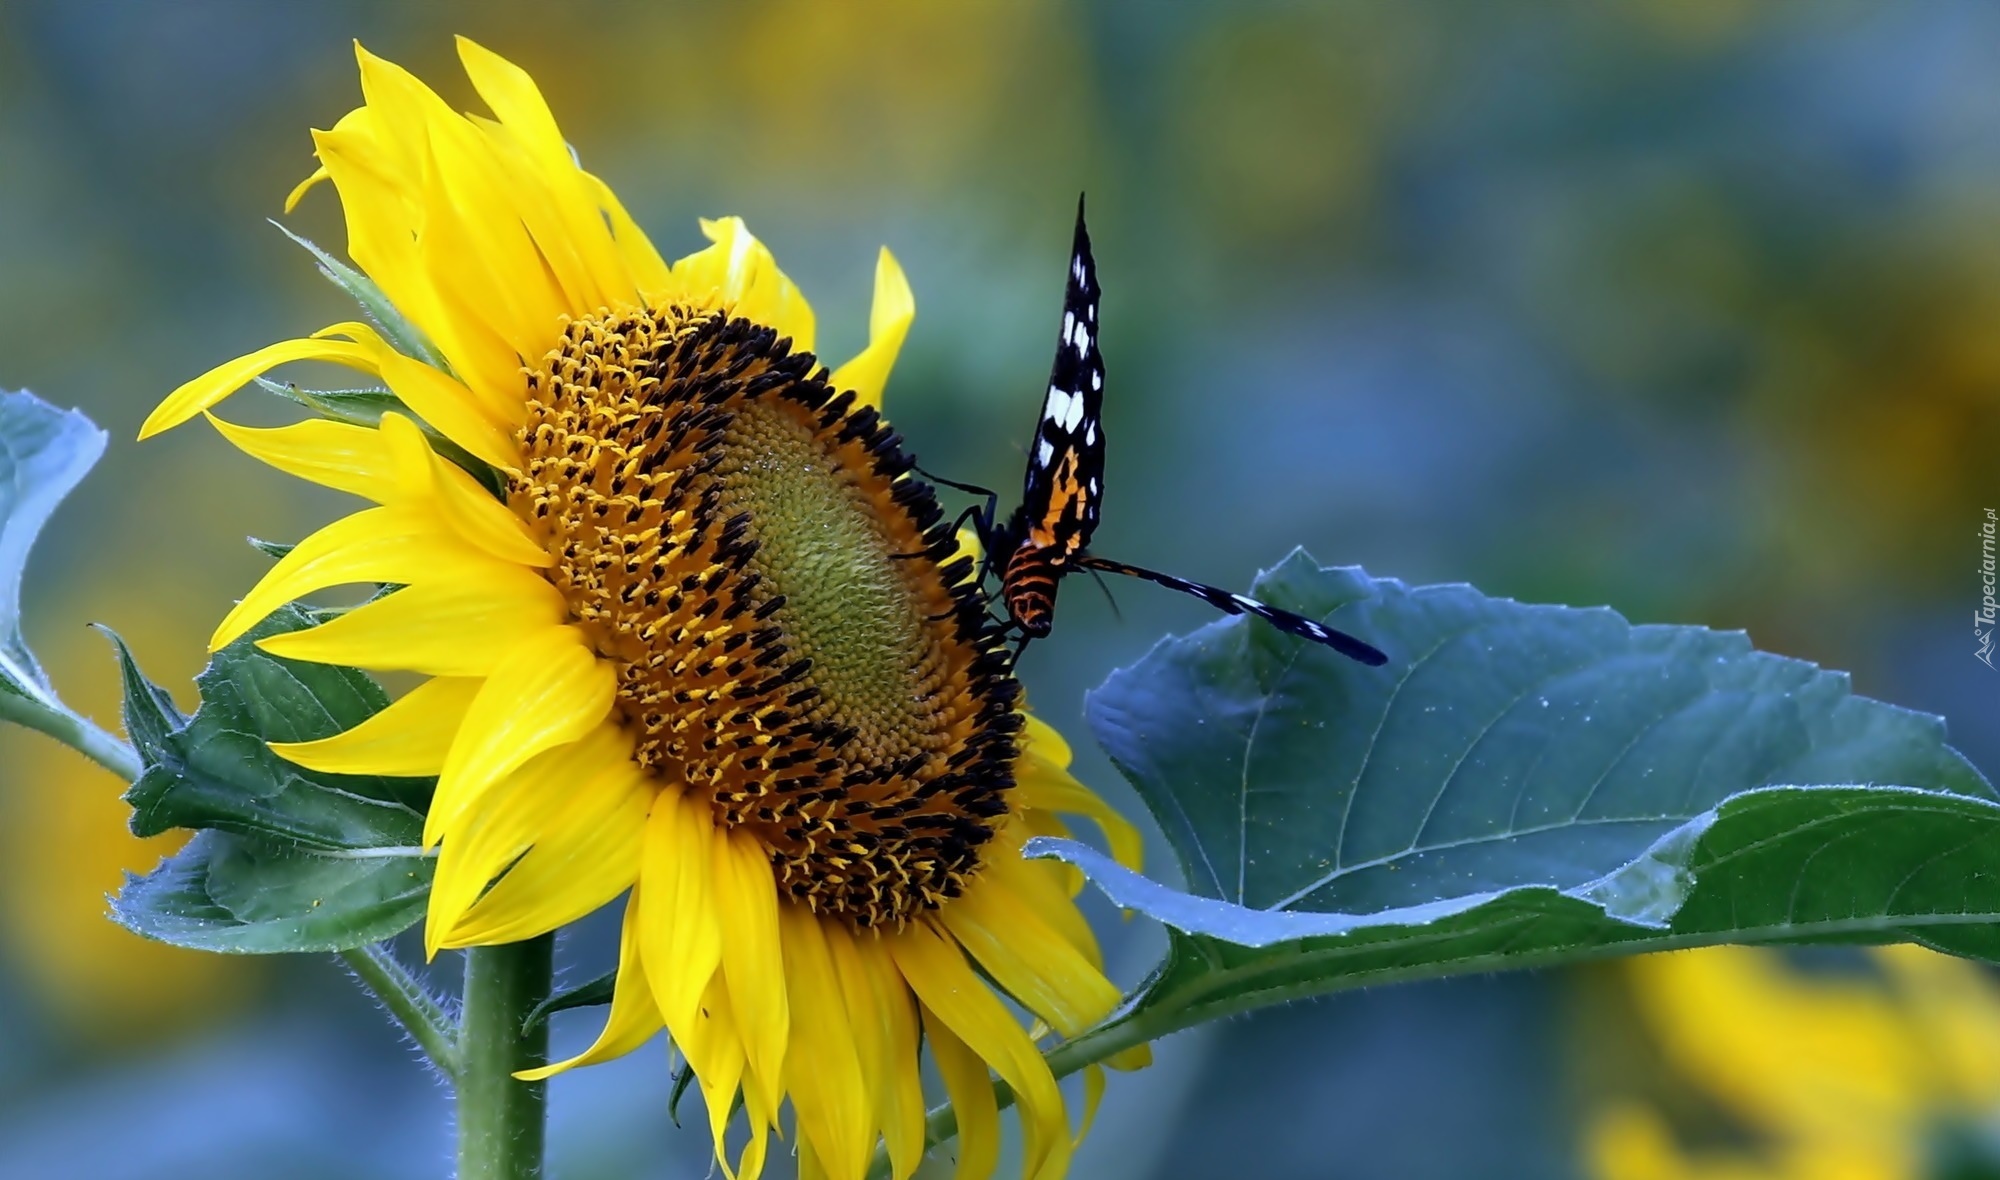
(1081, 243)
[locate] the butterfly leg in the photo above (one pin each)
(985, 518)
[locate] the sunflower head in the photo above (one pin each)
(712, 649)
(746, 548)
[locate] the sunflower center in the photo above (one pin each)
(749, 551)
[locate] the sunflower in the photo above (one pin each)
(699, 637)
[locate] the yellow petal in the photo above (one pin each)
(392, 545)
(376, 200)
(1041, 740)
(548, 691)
(583, 858)
(739, 274)
(947, 986)
(970, 1088)
(633, 1019)
(534, 197)
(410, 737)
(452, 627)
(391, 95)
(224, 379)
(833, 1100)
(888, 323)
(901, 1086)
(1028, 957)
(439, 399)
(471, 512)
(331, 454)
(714, 1049)
(381, 193)
(300, 190)
(649, 271)
(1044, 886)
(746, 904)
(474, 245)
(682, 940)
(1043, 783)
(513, 97)
(516, 813)
(470, 242)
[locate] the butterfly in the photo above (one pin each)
(1048, 535)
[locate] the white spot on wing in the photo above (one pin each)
(1060, 403)
(1090, 435)
(1046, 452)
(1096, 379)
(1074, 417)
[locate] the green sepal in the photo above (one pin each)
(365, 407)
(395, 327)
(583, 995)
(1518, 786)
(150, 714)
(683, 1078)
(286, 859)
(275, 550)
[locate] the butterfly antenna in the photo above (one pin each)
(1237, 604)
(1099, 579)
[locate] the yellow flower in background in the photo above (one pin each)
(65, 848)
(715, 647)
(1840, 1077)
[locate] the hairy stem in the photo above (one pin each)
(501, 1121)
(409, 1002)
(77, 732)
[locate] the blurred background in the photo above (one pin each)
(1691, 307)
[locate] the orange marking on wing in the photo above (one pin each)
(1057, 529)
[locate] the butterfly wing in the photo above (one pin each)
(1065, 478)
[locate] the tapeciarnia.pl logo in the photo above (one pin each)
(1983, 619)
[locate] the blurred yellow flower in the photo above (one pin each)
(1845, 1076)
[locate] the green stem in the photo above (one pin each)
(74, 731)
(500, 1120)
(410, 1002)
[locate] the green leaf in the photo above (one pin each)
(216, 771)
(286, 859)
(395, 327)
(44, 454)
(243, 896)
(1519, 786)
